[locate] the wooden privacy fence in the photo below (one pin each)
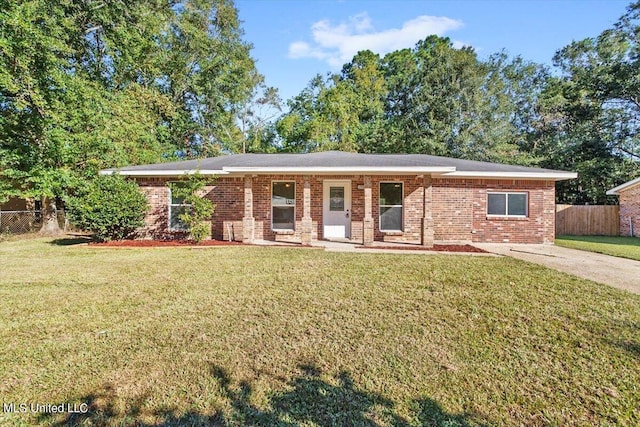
(590, 220)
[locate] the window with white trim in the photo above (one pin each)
(391, 206)
(283, 205)
(507, 204)
(177, 207)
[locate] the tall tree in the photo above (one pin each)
(591, 112)
(208, 72)
(255, 117)
(34, 85)
(432, 99)
(446, 101)
(431, 88)
(305, 128)
(341, 112)
(93, 84)
(364, 78)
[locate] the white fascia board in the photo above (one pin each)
(552, 176)
(340, 170)
(616, 190)
(152, 173)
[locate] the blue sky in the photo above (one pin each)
(296, 39)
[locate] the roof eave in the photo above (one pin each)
(616, 190)
(163, 173)
(551, 176)
(441, 171)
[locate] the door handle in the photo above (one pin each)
(347, 215)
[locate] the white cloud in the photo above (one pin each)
(303, 50)
(457, 44)
(337, 44)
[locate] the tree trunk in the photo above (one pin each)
(49, 217)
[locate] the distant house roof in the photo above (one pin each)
(616, 190)
(339, 162)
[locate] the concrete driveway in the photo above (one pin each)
(620, 273)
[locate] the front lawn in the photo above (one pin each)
(624, 247)
(281, 336)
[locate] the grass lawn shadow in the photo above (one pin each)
(264, 336)
(630, 347)
(72, 240)
(309, 398)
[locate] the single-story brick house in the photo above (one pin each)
(408, 198)
(629, 198)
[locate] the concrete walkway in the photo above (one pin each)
(620, 273)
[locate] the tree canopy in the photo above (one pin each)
(590, 111)
(432, 99)
(86, 85)
(94, 84)
(582, 114)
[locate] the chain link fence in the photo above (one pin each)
(21, 222)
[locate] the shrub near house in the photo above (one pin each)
(110, 207)
(195, 211)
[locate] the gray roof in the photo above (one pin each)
(333, 160)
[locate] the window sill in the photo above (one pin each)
(392, 232)
(506, 218)
(284, 231)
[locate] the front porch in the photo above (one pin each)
(305, 209)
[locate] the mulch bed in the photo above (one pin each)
(163, 243)
(435, 248)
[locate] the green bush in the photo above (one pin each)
(110, 207)
(197, 218)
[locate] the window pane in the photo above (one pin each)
(174, 222)
(336, 199)
(283, 218)
(175, 200)
(390, 193)
(496, 204)
(517, 204)
(391, 218)
(284, 193)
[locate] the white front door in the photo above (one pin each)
(336, 209)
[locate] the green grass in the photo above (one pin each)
(624, 247)
(281, 336)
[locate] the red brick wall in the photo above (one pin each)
(453, 208)
(412, 208)
(227, 194)
(262, 205)
(630, 211)
(458, 209)
(157, 223)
